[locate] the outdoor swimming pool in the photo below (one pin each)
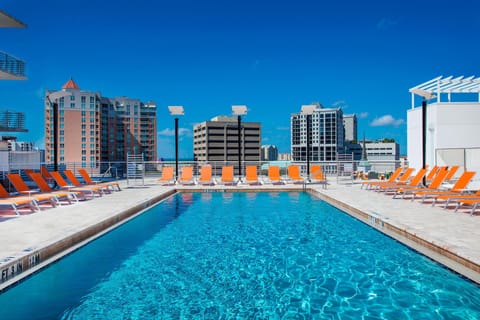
(243, 256)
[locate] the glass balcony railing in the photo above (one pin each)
(11, 68)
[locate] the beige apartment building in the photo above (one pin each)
(216, 141)
(93, 129)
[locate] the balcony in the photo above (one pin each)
(11, 68)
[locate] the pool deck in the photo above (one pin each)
(33, 240)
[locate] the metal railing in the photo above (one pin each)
(12, 65)
(116, 170)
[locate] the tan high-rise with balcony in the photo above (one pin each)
(93, 129)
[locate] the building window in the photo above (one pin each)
(72, 105)
(83, 99)
(72, 98)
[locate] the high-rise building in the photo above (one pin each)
(93, 129)
(327, 134)
(350, 126)
(269, 153)
(217, 141)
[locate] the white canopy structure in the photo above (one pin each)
(437, 86)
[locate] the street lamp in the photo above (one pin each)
(308, 110)
(426, 95)
(239, 111)
(176, 111)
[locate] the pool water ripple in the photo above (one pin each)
(297, 259)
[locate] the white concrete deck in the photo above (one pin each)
(35, 239)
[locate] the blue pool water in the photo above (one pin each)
(243, 256)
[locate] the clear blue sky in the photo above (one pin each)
(272, 56)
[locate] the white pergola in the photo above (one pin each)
(448, 85)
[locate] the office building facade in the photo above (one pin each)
(93, 129)
(350, 126)
(326, 135)
(216, 141)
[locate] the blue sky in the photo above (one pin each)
(272, 56)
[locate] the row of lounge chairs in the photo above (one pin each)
(251, 176)
(440, 187)
(45, 194)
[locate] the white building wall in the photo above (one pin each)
(449, 126)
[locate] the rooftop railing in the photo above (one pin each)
(13, 68)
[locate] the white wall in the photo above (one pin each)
(449, 126)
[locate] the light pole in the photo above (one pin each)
(176, 111)
(239, 111)
(308, 110)
(426, 95)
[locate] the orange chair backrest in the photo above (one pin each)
(227, 173)
(187, 173)
(316, 172)
(438, 180)
(17, 182)
(71, 176)
(274, 173)
(251, 173)
(85, 176)
(167, 174)
(294, 172)
(432, 173)
(3, 193)
(463, 181)
(417, 178)
(205, 173)
(406, 174)
(45, 173)
(59, 179)
(451, 172)
(40, 182)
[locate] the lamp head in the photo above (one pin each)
(239, 110)
(176, 110)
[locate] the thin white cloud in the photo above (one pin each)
(386, 120)
(386, 24)
(362, 115)
(255, 64)
(167, 132)
(282, 128)
(340, 104)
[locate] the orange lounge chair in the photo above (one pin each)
(402, 180)
(73, 179)
(167, 177)
(186, 177)
(436, 183)
(274, 175)
(227, 176)
(15, 202)
(62, 183)
(451, 173)
(46, 174)
(88, 180)
(415, 182)
(44, 187)
(457, 188)
(205, 175)
(251, 176)
(455, 197)
(316, 175)
(471, 202)
(393, 177)
(294, 174)
(22, 188)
